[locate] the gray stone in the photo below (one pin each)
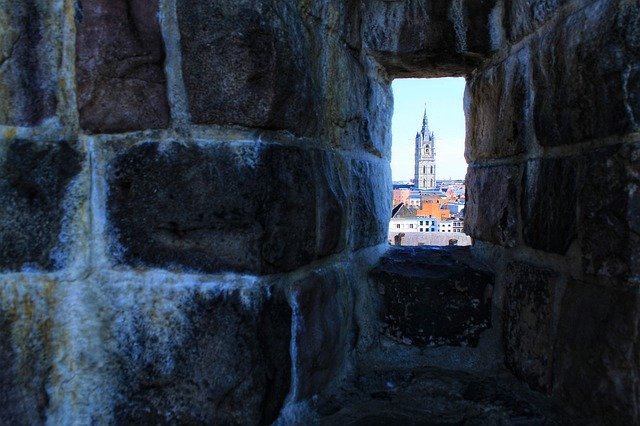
(596, 352)
(609, 214)
(433, 296)
(225, 361)
(33, 186)
(500, 122)
(582, 75)
(491, 210)
(522, 17)
(321, 327)
(416, 38)
(120, 66)
(528, 332)
(549, 202)
(29, 58)
(245, 208)
(248, 63)
(370, 206)
(403, 395)
(25, 352)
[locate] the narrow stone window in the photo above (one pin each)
(428, 165)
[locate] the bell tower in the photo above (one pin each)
(425, 159)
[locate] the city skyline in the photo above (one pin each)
(444, 105)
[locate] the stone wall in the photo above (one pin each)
(184, 186)
(193, 192)
(552, 127)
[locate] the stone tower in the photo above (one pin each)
(425, 174)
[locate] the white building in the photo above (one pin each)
(451, 226)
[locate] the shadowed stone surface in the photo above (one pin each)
(225, 362)
(245, 208)
(432, 396)
(371, 211)
(491, 210)
(433, 296)
(436, 39)
(529, 323)
(609, 218)
(583, 71)
(120, 61)
(597, 351)
(29, 57)
(247, 63)
(549, 203)
(25, 352)
(322, 309)
(33, 182)
(500, 122)
(522, 17)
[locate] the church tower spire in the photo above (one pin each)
(425, 161)
(425, 121)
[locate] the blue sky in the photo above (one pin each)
(443, 98)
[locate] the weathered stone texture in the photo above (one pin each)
(609, 212)
(549, 203)
(120, 66)
(498, 116)
(244, 208)
(370, 206)
(322, 311)
(29, 59)
(522, 17)
(584, 68)
(207, 358)
(33, 183)
(248, 63)
(491, 212)
(597, 352)
(25, 352)
(433, 296)
(528, 332)
(435, 39)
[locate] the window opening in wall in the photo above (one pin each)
(427, 163)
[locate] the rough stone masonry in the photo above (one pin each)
(193, 192)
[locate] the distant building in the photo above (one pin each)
(401, 195)
(425, 157)
(434, 206)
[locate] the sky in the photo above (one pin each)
(443, 99)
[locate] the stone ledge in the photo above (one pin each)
(433, 296)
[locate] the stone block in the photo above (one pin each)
(25, 351)
(370, 204)
(522, 17)
(321, 309)
(30, 52)
(120, 66)
(224, 207)
(427, 39)
(248, 63)
(609, 220)
(34, 181)
(597, 352)
(528, 332)
(549, 202)
(584, 68)
(200, 356)
(433, 296)
(498, 116)
(491, 212)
